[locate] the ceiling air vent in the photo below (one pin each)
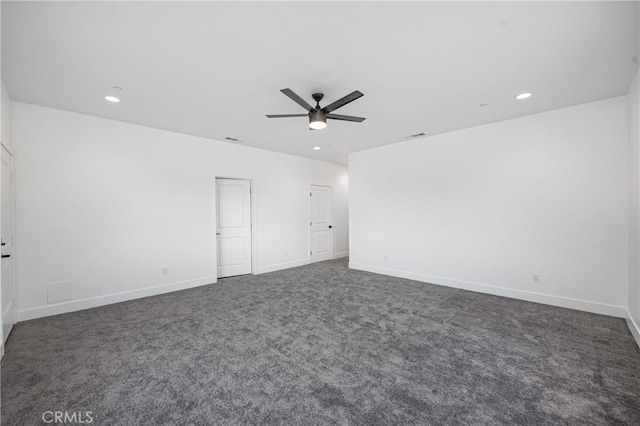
(416, 135)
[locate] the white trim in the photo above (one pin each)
(633, 327)
(252, 218)
(15, 314)
(93, 302)
(281, 266)
(254, 221)
(548, 299)
(341, 254)
(13, 305)
(311, 185)
(8, 333)
(6, 149)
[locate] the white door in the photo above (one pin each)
(321, 237)
(6, 228)
(233, 228)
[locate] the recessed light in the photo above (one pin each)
(317, 148)
(522, 96)
(113, 94)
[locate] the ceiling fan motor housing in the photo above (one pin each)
(317, 115)
(316, 118)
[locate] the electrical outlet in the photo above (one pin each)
(536, 278)
(385, 258)
(286, 254)
(165, 271)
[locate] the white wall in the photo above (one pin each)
(2, 101)
(7, 140)
(486, 208)
(7, 294)
(633, 100)
(105, 205)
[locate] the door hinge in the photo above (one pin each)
(310, 224)
(11, 177)
(310, 253)
(311, 194)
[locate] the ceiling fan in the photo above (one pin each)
(318, 116)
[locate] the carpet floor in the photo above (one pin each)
(322, 344)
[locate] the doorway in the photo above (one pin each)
(321, 229)
(6, 227)
(233, 227)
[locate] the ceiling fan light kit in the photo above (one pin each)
(318, 116)
(317, 120)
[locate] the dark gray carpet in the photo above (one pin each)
(322, 344)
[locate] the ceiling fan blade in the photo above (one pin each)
(346, 117)
(343, 101)
(286, 115)
(297, 99)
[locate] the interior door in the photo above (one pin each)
(233, 228)
(6, 228)
(321, 237)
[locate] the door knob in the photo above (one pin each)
(6, 255)
(217, 233)
(330, 226)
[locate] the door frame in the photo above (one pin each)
(311, 185)
(252, 218)
(14, 302)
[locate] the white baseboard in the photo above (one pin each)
(93, 302)
(633, 327)
(4, 338)
(547, 299)
(281, 266)
(11, 308)
(341, 254)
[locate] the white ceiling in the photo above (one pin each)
(214, 69)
